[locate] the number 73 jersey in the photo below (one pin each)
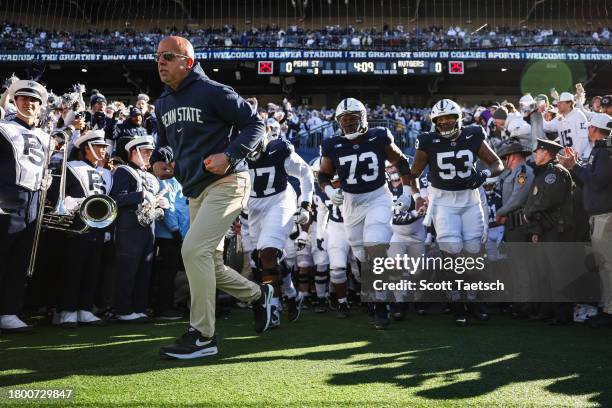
(360, 164)
(451, 162)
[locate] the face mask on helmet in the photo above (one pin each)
(352, 117)
(394, 176)
(446, 117)
(448, 125)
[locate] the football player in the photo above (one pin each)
(331, 235)
(358, 157)
(454, 204)
(408, 235)
(273, 212)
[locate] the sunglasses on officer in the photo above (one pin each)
(169, 56)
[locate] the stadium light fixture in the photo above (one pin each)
(504, 69)
(216, 69)
(84, 69)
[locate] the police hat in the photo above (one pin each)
(549, 145)
(142, 142)
(510, 146)
(94, 137)
(24, 87)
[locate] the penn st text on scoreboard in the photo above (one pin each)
(361, 67)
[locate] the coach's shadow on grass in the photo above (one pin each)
(474, 361)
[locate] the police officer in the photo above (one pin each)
(548, 213)
(133, 189)
(596, 178)
(23, 151)
(515, 183)
(79, 275)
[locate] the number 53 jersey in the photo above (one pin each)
(451, 162)
(360, 166)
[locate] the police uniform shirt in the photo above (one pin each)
(451, 162)
(360, 163)
(549, 198)
(515, 185)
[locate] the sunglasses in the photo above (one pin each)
(168, 56)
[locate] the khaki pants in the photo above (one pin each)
(601, 238)
(211, 214)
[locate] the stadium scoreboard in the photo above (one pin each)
(361, 67)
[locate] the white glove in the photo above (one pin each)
(302, 240)
(301, 216)
(72, 204)
(46, 182)
(163, 203)
(107, 236)
(149, 197)
(403, 201)
(335, 195)
(485, 234)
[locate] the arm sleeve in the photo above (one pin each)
(170, 215)
(551, 126)
(322, 214)
(238, 113)
(519, 195)
(161, 131)
(599, 176)
(121, 191)
(296, 166)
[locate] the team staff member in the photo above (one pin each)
(134, 187)
(23, 150)
(79, 275)
(211, 130)
(548, 213)
(596, 178)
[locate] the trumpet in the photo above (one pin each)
(148, 212)
(95, 211)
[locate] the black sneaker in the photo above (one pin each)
(459, 313)
(320, 306)
(262, 308)
(479, 311)
(399, 311)
(170, 314)
(294, 307)
(191, 345)
(343, 310)
(420, 309)
(381, 316)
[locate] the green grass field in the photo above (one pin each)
(318, 361)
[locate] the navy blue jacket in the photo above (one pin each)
(203, 117)
(596, 178)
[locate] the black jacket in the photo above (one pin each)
(596, 178)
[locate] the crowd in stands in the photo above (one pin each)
(21, 38)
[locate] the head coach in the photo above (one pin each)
(205, 130)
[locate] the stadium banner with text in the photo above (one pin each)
(289, 54)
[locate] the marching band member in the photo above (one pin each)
(23, 155)
(79, 275)
(134, 190)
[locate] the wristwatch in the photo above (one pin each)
(233, 161)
